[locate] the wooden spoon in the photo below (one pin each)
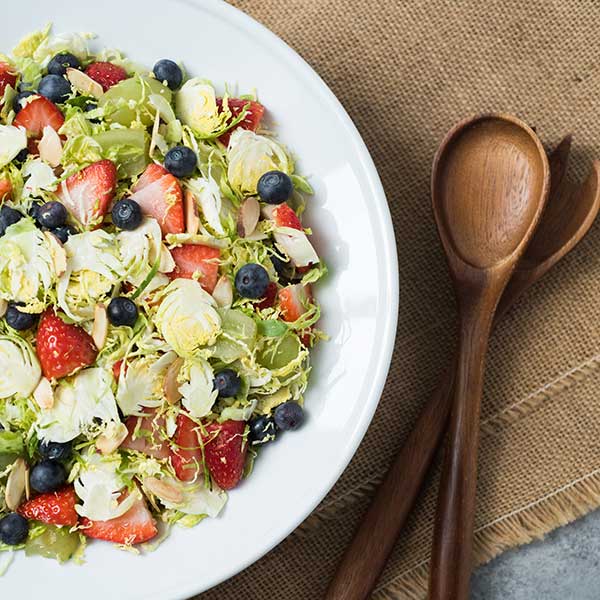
(374, 539)
(490, 182)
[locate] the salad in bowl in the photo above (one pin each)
(156, 296)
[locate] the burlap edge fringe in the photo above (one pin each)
(491, 426)
(521, 527)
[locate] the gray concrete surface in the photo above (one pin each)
(563, 566)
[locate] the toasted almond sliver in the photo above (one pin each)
(100, 328)
(223, 292)
(27, 486)
(84, 83)
(58, 253)
(112, 438)
(248, 216)
(154, 134)
(43, 394)
(164, 490)
(50, 147)
(170, 384)
(167, 264)
(192, 221)
(3, 307)
(15, 484)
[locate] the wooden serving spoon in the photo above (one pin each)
(364, 559)
(572, 209)
(490, 183)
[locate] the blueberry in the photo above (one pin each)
(55, 88)
(127, 214)
(19, 320)
(262, 430)
(8, 216)
(47, 476)
(59, 64)
(228, 383)
(55, 450)
(52, 214)
(122, 311)
(17, 104)
(181, 161)
(166, 70)
(89, 106)
(286, 272)
(275, 187)
(63, 233)
(20, 158)
(251, 281)
(13, 529)
(288, 415)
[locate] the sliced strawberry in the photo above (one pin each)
(62, 348)
(159, 195)
(116, 369)
(284, 216)
(37, 114)
(54, 508)
(292, 300)
(195, 258)
(186, 456)
(134, 527)
(106, 74)
(5, 189)
(252, 119)
(225, 451)
(150, 438)
(8, 76)
(88, 193)
(270, 295)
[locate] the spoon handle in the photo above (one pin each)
(366, 556)
(451, 559)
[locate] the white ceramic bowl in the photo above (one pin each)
(353, 232)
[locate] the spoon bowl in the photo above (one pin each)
(490, 182)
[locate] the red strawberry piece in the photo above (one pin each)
(195, 258)
(225, 451)
(186, 456)
(8, 76)
(292, 300)
(54, 508)
(63, 348)
(269, 298)
(284, 216)
(251, 121)
(5, 189)
(88, 193)
(37, 114)
(159, 195)
(134, 527)
(150, 437)
(116, 369)
(106, 74)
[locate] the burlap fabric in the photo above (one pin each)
(406, 71)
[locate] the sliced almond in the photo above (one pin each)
(27, 486)
(43, 394)
(100, 328)
(223, 292)
(164, 490)
(167, 264)
(192, 220)
(58, 253)
(267, 211)
(85, 84)
(248, 216)
(50, 147)
(155, 128)
(3, 307)
(170, 384)
(15, 484)
(112, 438)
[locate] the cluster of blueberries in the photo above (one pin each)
(48, 475)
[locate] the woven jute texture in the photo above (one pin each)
(406, 71)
